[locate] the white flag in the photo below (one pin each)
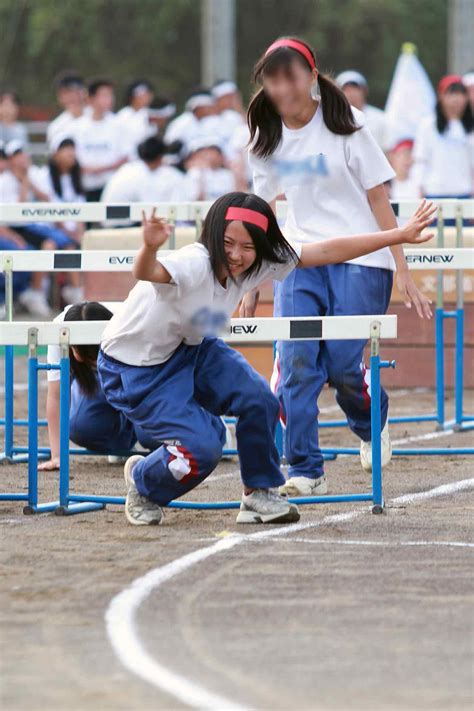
(411, 96)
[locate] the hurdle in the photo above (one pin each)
(457, 259)
(260, 330)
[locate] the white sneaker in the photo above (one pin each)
(139, 510)
(266, 506)
(113, 459)
(72, 294)
(304, 486)
(366, 451)
(34, 301)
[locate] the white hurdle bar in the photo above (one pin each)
(258, 330)
(13, 213)
(110, 260)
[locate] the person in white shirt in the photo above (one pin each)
(321, 156)
(198, 120)
(162, 110)
(10, 128)
(147, 180)
(355, 87)
(93, 423)
(207, 176)
(100, 145)
(229, 109)
(134, 118)
(404, 185)
(23, 182)
(444, 145)
(71, 96)
(163, 368)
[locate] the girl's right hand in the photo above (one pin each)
(155, 230)
(51, 465)
(411, 232)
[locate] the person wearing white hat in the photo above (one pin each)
(207, 176)
(198, 118)
(355, 87)
(161, 111)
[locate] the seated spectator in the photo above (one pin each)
(10, 128)
(71, 96)
(404, 186)
(61, 180)
(207, 176)
(99, 144)
(134, 118)
(198, 120)
(355, 87)
(147, 179)
(229, 109)
(22, 182)
(161, 112)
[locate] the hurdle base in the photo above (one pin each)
(72, 509)
(378, 509)
(40, 508)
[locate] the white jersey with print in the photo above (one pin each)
(325, 178)
(135, 128)
(98, 144)
(444, 163)
(156, 318)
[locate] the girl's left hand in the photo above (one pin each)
(412, 295)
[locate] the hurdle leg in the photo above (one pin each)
(377, 495)
(459, 345)
(9, 354)
(439, 329)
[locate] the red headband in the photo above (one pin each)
(448, 81)
(293, 44)
(245, 215)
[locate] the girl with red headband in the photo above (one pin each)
(316, 151)
(162, 366)
(444, 146)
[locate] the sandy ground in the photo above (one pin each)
(366, 612)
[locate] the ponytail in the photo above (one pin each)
(337, 112)
(264, 121)
(84, 370)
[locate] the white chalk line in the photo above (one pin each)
(394, 544)
(120, 614)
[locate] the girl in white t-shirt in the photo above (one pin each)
(444, 146)
(321, 156)
(162, 366)
(93, 422)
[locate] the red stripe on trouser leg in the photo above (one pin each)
(186, 466)
(365, 386)
(274, 383)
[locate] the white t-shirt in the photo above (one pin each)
(324, 177)
(377, 124)
(60, 126)
(135, 182)
(156, 318)
(10, 186)
(444, 163)
(54, 352)
(135, 127)
(98, 143)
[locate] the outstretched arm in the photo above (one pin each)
(155, 233)
(342, 249)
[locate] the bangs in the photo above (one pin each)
(280, 61)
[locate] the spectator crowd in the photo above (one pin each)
(144, 152)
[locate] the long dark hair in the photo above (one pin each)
(467, 119)
(75, 172)
(84, 370)
(270, 245)
(263, 119)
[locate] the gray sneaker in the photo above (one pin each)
(266, 506)
(139, 510)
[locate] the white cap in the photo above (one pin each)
(351, 77)
(56, 141)
(468, 79)
(198, 144)
(14, 146)
(166, 111)
(224, 88)
(198, 100)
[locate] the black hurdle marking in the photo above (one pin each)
(63, 260)
(114, 212)
(396, 208)
(306, 329)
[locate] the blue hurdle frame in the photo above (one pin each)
(70, 503)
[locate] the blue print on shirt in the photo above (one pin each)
(209, 323)
(301, 169)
